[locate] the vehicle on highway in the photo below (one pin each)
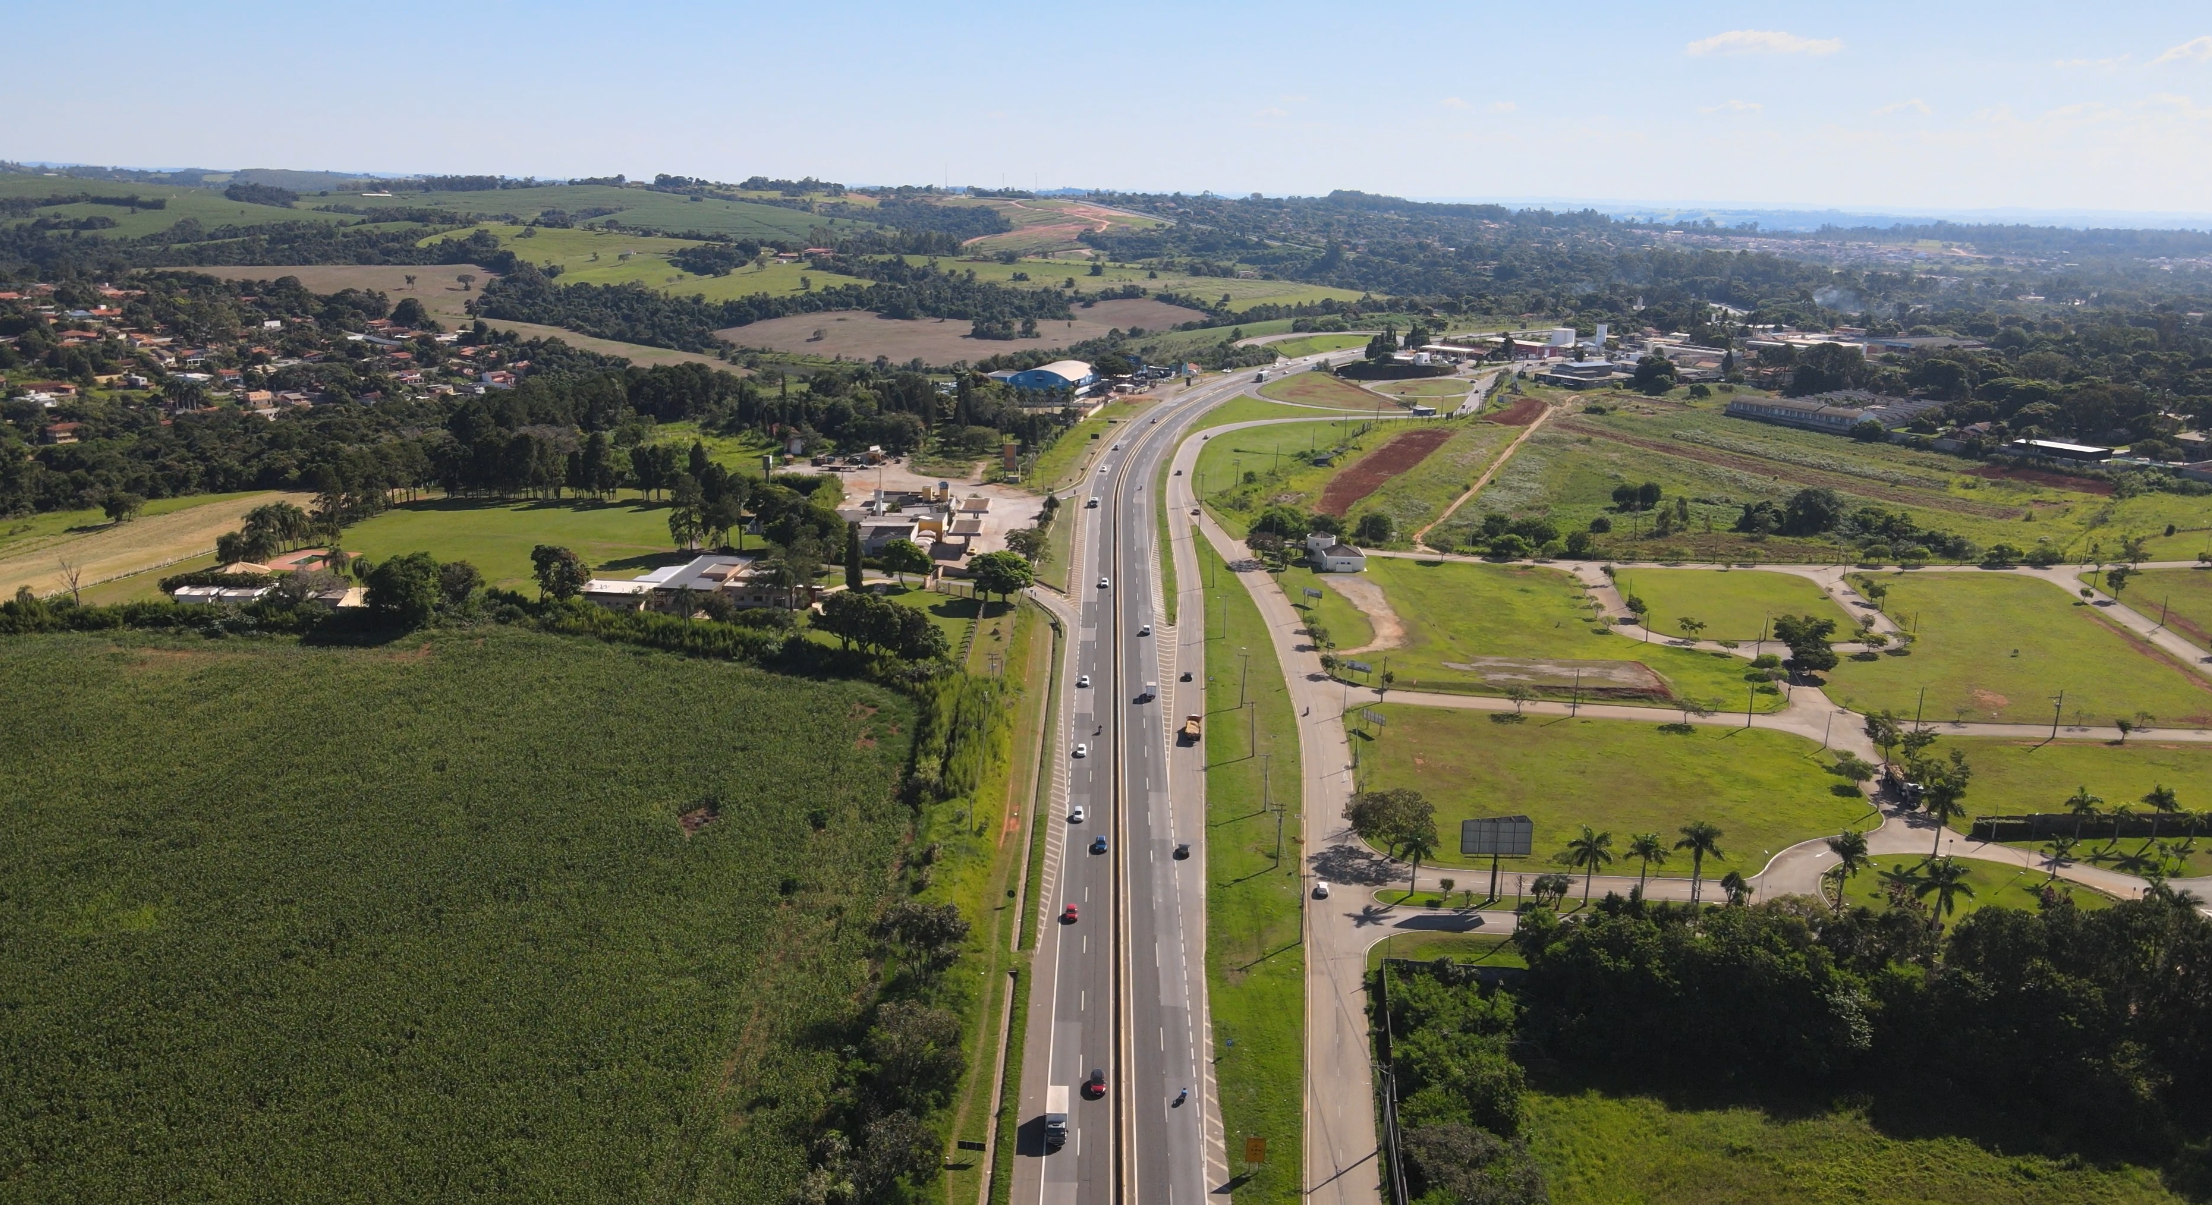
(1091, 505)
(1186, 675)
(1261, 377)
(1076, 816)
(1178, 472)
(1098, 844)
(1068, 915)
(1320, 890)
(1082, 749)
(1082, 680)
(1151, 692)
(1116, 448)
(1056, 1117)
(1194, 510)
(1182, 850)
(1146, 630)
(1192, 726)
(1103, 583)
(1095, 1086)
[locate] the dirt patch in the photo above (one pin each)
(1596, 679)
(1519, 414)
(1991, 702)
(420, 652)
(860, 335)
(1365, 594)
(2083, 485)
(1795, 474)
(1367, 474)
(698, 818)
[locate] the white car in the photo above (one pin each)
(1076, 816)
(1091, 505)
(1146, 630)
(1320, 890)
(1082, 750)
(1103, 583)
(1082, 680)
(1115, 448)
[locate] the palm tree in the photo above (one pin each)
(2163, 803)
(1649, 848)
(1945, 878)
(1737, 887)
(2083, 805)
(1588, 852)
(1701, 838)
(1946, 794)
(2058, 848)
(1849, 846)
(1416, 845)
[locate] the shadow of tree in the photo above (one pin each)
(1354, 864)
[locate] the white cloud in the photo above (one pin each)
(1453, 102)
(1266, 114)
(1764, 41)
(1503, 106)
(1734, 106)
(2195, 50)
(1916, 104)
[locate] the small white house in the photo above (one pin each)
(1328, 555)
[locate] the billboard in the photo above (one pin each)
(1497, 836)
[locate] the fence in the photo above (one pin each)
(2042, 826)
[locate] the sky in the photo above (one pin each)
(1874, 106)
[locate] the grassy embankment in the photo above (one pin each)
(1994, 884)
(1279, 461)
(2016, 777)
(1255, 964)
(2182, 597)
(1734, 604)
(447, 934)
(1453, 611)
(1767, 790)
(1306, 345)
(2000, 647)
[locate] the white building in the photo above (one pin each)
(1328, 555)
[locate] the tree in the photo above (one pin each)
(404, 589)
(1945, 793)
(1417, 845)
(1002, 573)
(1654, 375)
(1690, 626)
(932, 934)
(2126, 726)
(1520, 695)
(2116, 580)
(2083, 805)
(1849, 846)
(466, 279)
(853, 576)
(1702, 839)
(1944, 878)
(2163, 804)
(1588, 852)
(1374, 528)
(1647, 848)
(1389, 817)
(1807, 638)
(1030, 543)
(902, 557)
(1737, 887)
(122, 506)
(458, 581)
(560, 572)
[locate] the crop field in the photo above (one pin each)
(1598, 1148)
(1306, 345)
(1279, 459)
(172, 530)
(427, 919)
(1734, 604)
(617, 539)
(1481, 629)
(1321, 389)
(1767, 790)
(636, 207)
(1415, 497)
(2182, 596)
(209, 207)
(2000, 647)
(860, 335)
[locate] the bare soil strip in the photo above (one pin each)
(1520, 414)
(1367, 474)
(1364, 593)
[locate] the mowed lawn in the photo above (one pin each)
(2017, 777)
(1734, 604)
(1598, 1148)
(2183, 596)
(2000, 647)
(419, 921)
(1455, 610)
(1306, 345)
(1994, 884)
(619, 539)
(1766, 790)
(1321, 389)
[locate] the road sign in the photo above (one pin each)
(1374, 717)
(1312, 593)
(1255, 1150)
(969, 1144)
(1360, 666)
(1498, 836)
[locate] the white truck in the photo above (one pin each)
(1056, 1117)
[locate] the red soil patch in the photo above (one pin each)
(1520, 414)
(2041, 477)
(1366, 475)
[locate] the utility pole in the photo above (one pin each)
(1252, 728)
(1751, 696)
(1244, 666)
(1573, 708)
(2058, 708)
(1917, 711)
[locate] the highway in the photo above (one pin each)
(1121, 988)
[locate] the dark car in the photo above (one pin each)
(1098, 845)
(1095, 1086)
(1182, 849)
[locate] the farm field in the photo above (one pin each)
(1734, 604)
(1598, 1148)
(1043, 225)
(2183, 596)
(1321, 389)
(860, 335)
(1508, 624)
(171, 531)
(1995, 885)
(612, 257)
(446, 934)
(1766, 790)
(207, 206)
(635, 207)
(1255, 964)
(1280, 459)
(1415, 495)
(2000, 647)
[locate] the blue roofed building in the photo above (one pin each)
(1061, 374)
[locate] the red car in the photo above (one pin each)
(1068, 916)
(1095, 1086)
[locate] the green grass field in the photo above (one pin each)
(2016, 777)
(636, 207)
(1255, 967)
(24, 534)
(207, 206)
(1415, 497)
(1306, 345)
(1469, 948)
(1245, 409)
(1454, 611)
(410, 921)
(1062, 465)
(2182, 596)
(1279, 459)
(1347, 625)
(1322, 389)
(1767, 790)
(607, 257)
(1451, 387)
(1735, 604)
(1600, 1149)
(617, 539)
(2001, 647)
(1995, 885)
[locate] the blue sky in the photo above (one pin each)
(1867, 106)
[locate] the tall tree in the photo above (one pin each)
(560, 572)
(1646, 848)
(1588, 852)
(1702, 839)
(852, 556)
(1849, 846)
(1944, 878)
(1416, 846)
